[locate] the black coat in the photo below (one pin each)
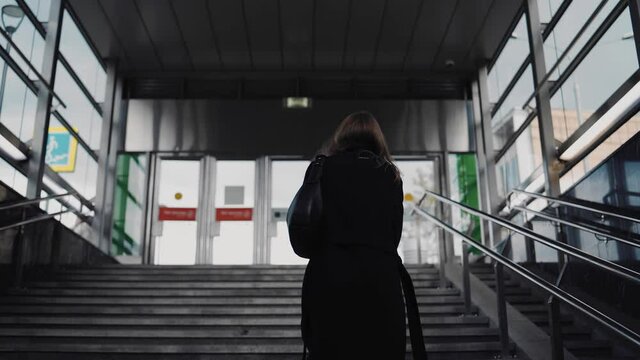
(352, 298)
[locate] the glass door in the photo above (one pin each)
(234, 203)
(177, 199)
(287, 177)
(419, 242)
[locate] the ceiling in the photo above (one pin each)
(273, 48)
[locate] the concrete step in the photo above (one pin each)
(543, 319)
(212, 267)
(198, 320)
(187, 285)
(200, 270)
(185, 300)
(532, 308)
(588, 347)
(507, 283)
(204, 310)
(525, 299)
(199, 277)
(163, 347)
(431, 335)
(194, 292)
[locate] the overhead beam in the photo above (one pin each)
(267, 75)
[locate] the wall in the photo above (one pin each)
(49, 242)
(249, 128)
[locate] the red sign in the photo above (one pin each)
(177, 214)
(234, 214)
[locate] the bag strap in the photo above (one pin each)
(413, 314)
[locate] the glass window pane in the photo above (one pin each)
(510, 114)
(509, 60)
(606, 67)
(79, 112)
(71, 161)
(18, 105)
(82, 59)
(601, 153)
(520, 161)
(566, 30)
(13, 178)
(40, 8)
(27, 39)
(547, 9)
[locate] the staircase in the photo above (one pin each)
(198, 312)
(578, 339)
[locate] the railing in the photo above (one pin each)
(575, 205)
(556, 293)
(20, 242)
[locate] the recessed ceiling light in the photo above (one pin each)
(297, 102)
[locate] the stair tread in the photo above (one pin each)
(248, 332)
(54, 345)
(185, 300)
(293, 309)
(201, 312)
(166, 320)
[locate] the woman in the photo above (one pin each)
(352, 297)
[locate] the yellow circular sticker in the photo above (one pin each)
(178, 195)
(408, 197)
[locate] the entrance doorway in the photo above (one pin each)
(226, 212)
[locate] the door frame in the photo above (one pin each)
(205, 210)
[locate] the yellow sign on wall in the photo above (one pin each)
(62, 148)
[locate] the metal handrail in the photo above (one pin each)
(34, 220)
(35, 201)
(578, 226)
(552, 289)
(576, 205)
(559, 246)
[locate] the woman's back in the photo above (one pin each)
(362, 199)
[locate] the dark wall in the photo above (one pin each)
(263, 127)
(47, 242)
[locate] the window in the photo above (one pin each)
(601, 153)
(566, 30)
(79, 112)
(40, 8)
(509, 116)
(547, 9)
(612, 60)
(29, 42)
(511, 58)
(13, 178)
(82, 59)
(77, 167)
(18, 107)
(521, 160)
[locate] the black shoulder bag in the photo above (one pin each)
(305, 212)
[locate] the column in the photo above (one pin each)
(36, 165)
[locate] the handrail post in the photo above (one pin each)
(19, 253)
(443, 260)
(555, 328)
(466, 287)
(502, 309)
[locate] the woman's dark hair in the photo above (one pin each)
(360, 130)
